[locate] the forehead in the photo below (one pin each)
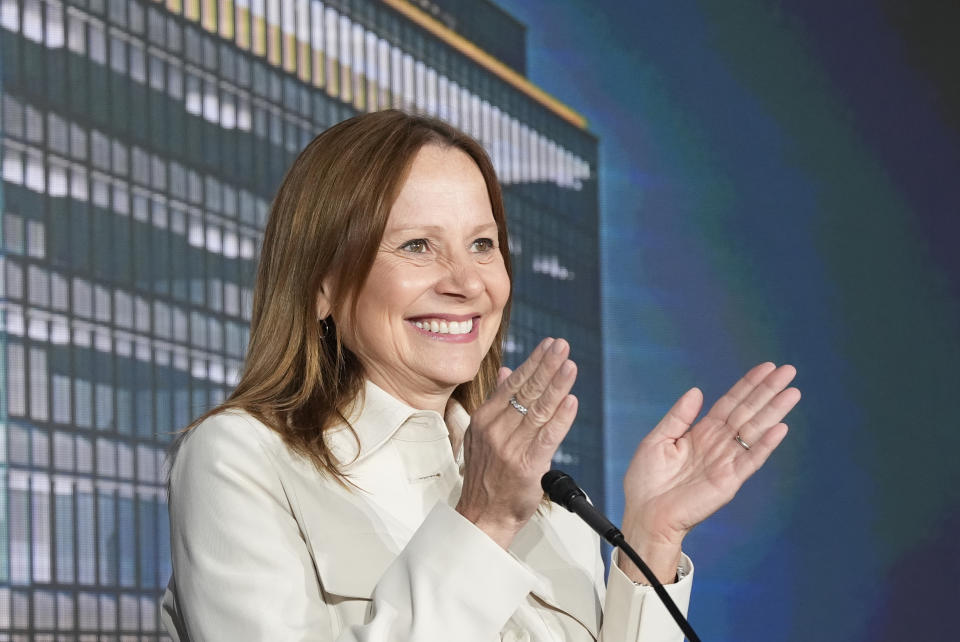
(444, 185)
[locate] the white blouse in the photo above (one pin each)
(266, 548)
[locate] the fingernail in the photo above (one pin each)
(546, 343)
(557, 347)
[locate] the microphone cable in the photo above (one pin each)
(562, 490)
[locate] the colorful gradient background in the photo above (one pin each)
(779, 181)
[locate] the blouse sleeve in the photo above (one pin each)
(242, 571)
(634, 613)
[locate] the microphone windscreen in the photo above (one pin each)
(560, 487)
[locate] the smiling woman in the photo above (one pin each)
(376, 475)
(432, 304)
(324, 263)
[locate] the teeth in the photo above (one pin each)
(446, 327)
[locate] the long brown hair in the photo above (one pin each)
(326, 223)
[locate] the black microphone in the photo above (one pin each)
(562, 490)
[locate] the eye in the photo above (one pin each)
(484, 245)
(416, 246)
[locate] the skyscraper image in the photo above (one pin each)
(142, 142)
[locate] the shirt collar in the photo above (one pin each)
(377, 417)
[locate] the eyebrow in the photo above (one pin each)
(440, 228)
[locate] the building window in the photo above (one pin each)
(10, 15)
(13, 233)
(16, 380)
(14, 289)
(83, 394)
(59, 292)
(41, 536)
(331, 36)
(61, 399)
(32, 21)
(64, 528)
(18, 508)
(39, 286)
(138, 65)
(118, 55)
(39, 395)
(96, 42)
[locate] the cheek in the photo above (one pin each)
(499, 287)
(389, 292)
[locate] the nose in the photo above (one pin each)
(460, 277)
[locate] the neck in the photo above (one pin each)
(422, 398)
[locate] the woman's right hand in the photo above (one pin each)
(506, 452)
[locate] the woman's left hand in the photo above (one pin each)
(682, 472)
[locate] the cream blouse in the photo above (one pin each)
(266, 548)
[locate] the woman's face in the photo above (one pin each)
(432, 304)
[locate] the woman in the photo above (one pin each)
(339, 494)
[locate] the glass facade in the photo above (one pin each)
(140, 145)
(486, 25)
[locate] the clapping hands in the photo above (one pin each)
(683, 472)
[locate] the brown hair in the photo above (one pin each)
(327, 221)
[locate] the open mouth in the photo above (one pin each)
(461, 328)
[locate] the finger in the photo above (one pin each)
(760, 396)
(770, 415)
(503, 374)
(749, 462)
(550, 436)
(545, 406)
(724, 406)
(538, 381)
(509, 386)
(678, 419)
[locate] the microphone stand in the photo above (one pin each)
(562, 490)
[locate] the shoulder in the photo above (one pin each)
(232, 424)
(231, 441)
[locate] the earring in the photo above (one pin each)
(324, 328)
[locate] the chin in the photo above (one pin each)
(448, 379)
(453, 376)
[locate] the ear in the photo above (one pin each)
(324, 300)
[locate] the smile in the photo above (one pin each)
(447, 329)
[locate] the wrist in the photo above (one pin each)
(660, 550)
(663, 563)
(641, 532)
(500, 532)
